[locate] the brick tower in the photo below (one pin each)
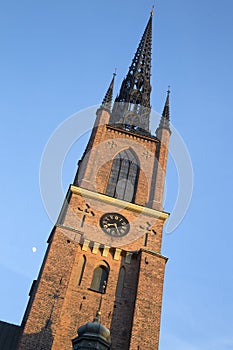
(106, 244)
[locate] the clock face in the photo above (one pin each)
(114, 224)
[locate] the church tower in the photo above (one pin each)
(106, 245)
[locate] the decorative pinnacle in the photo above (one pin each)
(165, 119)
(166, 111)
(107, 101)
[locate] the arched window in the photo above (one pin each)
(100, 279)
(122, 182)
(80, 269)
(120, 283)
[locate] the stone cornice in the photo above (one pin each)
(133, 134)
(119, 203)
(152, 252)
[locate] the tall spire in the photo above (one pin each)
(107, 101)
(132, 105)
(165, 119)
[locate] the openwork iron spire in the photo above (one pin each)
(107, 101)
(165, 119)
(132, 105)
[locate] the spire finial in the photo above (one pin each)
(97, 317)
(98, 312)
(100, 303)
(169, 89)
(152, 11)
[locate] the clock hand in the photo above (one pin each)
(116, 227)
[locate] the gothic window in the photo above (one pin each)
(80, 269)
(120, 283)
(122, 183)
(100, 278)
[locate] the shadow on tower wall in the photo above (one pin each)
(42, 340)
(122, 317)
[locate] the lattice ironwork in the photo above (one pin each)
(132, 105)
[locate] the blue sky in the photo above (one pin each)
(57, 58)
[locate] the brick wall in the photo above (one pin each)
(59, 304)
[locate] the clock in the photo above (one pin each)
(114, 224)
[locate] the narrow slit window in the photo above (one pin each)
(81, 268)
